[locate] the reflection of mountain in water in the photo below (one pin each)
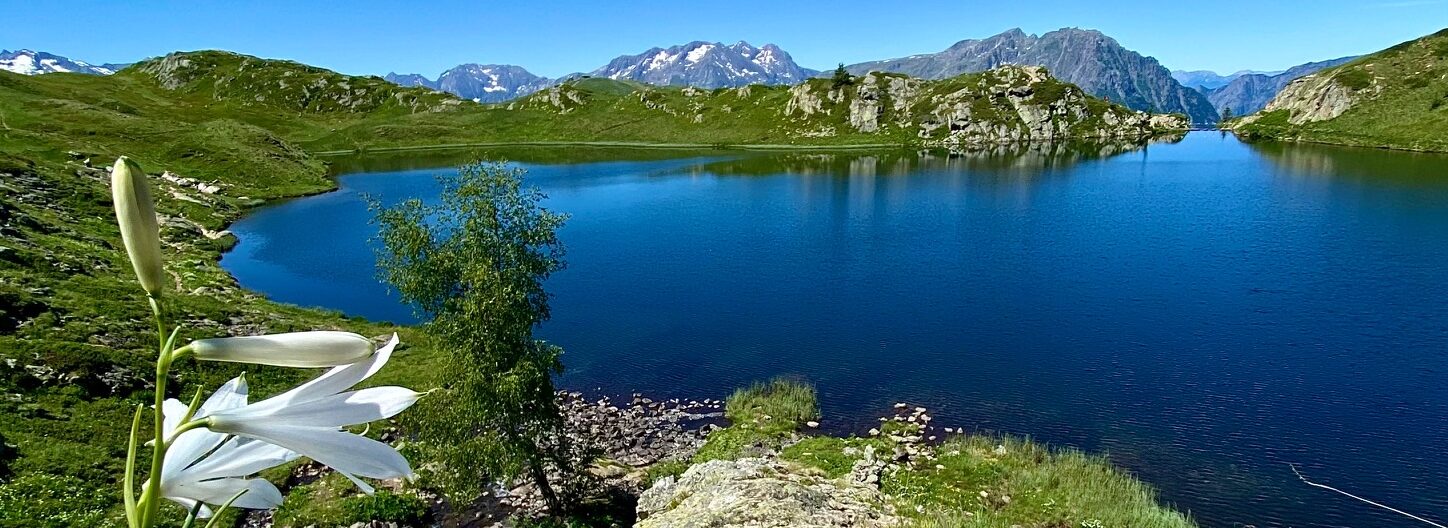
(729, 161)
(1358, 164)
(1015, 158)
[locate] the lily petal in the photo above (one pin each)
(345, 452)
(348, 408)
(333, 381)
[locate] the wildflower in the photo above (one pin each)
(206, 467)
(309, 420)
(136, 214)
(296, 349)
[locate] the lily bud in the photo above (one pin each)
(136, 214)
(321, 348)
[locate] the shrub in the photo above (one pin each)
(402, 508)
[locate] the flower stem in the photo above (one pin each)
(150, 503)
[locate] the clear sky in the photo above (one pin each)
(558, 37)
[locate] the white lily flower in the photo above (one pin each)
(136, 214)
(322, 348)
(309, 420)
(207, 467)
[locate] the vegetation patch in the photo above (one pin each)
(980, 481)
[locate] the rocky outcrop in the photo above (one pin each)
(760, 493)
(1313, 98)
(1005, 105)
(1248, 93)
(1086, 58)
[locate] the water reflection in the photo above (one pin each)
(1367, 165)
(1020, 158)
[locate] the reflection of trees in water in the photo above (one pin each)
(1006, 157)
(1356, 163)
(1010, 158)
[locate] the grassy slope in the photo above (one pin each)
(1403, 102)
(601, 110)
(972, 481)
(75, 344)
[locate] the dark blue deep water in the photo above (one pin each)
(1204, 311)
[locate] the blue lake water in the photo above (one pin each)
(1204, 312)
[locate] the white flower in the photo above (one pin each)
(136, 214)
(207, 467)
(309, 420)
(321, 348)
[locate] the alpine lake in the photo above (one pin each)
(1203, 311)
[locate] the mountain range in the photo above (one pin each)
(1246, 93)
(28, 62)
(708, 65)
(1210, 79)
(1087, 58)
(483, 83)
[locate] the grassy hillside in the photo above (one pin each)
(1395, 98)
(220, 133)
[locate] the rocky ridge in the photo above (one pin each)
(1086, 58)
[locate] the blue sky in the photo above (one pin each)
(554, 38)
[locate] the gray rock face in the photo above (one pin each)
(409, 79)
(1087, 58)
(483, 83)
(708, 65)
(1249, 93)
(28, 62)
(759, 493)
(1313, 98)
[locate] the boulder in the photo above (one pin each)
(759, 493)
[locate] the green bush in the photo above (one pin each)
(402, 508)
(42, 500)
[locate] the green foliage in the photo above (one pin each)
(402, 508)
(334, 501)
(663, 469)
(990, 482)
(475, 264)
(782, 404)
(834, 456)
(43, 500)
(762, 417)
(1354, 78)
(841, 77)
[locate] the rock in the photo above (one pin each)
(759, 493)
(812, 424)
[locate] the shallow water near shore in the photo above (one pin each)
(1204, 311)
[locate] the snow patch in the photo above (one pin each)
(696, 54)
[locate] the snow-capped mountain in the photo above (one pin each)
(27, 62)
(484, 83)
(708, 65)
(491, 83)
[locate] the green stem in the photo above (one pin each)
(191, 517)
(150, 503)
